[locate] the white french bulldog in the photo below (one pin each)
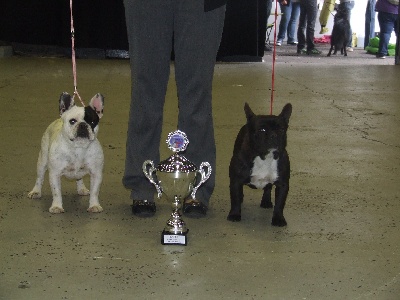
(70, 148)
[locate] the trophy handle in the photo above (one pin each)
(148, 172)
(204, 177)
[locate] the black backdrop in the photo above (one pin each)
(100, 24)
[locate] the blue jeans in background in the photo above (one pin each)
(387, 23)
(290, 15)
(369, 22)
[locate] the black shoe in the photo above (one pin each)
(301, 51)
(313, 52)
(194, 208)
(267, 47)
(143, 208)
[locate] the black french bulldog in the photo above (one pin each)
(260, 160)
(340, 32)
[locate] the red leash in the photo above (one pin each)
(273, 60)
(73, 56)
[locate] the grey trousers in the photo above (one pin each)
(154, 27)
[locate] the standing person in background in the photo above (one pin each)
(388, 11)
(369, 22)
(308, 16)
(328, 6)
(348, 5)
(193, 28)
(290, 15)
(268, 13)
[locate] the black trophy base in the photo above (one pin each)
(168, 238)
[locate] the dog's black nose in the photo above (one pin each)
(82, 130)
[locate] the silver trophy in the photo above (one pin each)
(176, 178)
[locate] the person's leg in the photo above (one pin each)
(294, 16)
(286, 10)
(197, 38)
(301, 38)
(312, 10)
(369, 22)
(149, 26)
(348, 6)
(373, 18)
(268, 7)
(387, 23)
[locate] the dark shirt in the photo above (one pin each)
(386, 6)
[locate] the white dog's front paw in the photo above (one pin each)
(95, 209)
(56, 210)
(34, 194)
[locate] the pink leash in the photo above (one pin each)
(73, 56)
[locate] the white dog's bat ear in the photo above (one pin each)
(97, 103)
(65, 102)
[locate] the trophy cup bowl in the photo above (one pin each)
(176, 178)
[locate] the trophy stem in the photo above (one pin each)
(175, 224)
(175, 232)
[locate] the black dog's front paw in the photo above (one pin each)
(278, 221)
(234, 217)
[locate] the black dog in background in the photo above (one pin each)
(260, 160)
(340, 32)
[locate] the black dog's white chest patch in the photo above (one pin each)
(264, 171)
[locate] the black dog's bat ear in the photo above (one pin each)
(249, 113)
(286, 112)
(65, 102)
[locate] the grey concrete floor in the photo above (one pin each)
(342, 239)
